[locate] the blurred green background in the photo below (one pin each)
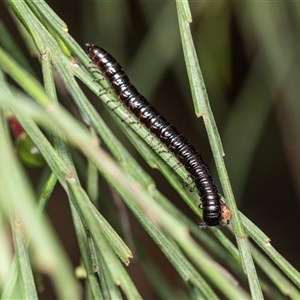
(249, 55)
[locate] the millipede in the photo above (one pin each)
(212, 206)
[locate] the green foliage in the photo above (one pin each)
(207, 261)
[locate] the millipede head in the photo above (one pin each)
(226, 215)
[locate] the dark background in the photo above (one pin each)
(249, 63)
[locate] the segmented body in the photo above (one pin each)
(166, 132)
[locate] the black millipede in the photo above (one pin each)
(212, 206)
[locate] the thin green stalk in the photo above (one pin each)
(25, 275)
(49, 256)
(203, 109)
